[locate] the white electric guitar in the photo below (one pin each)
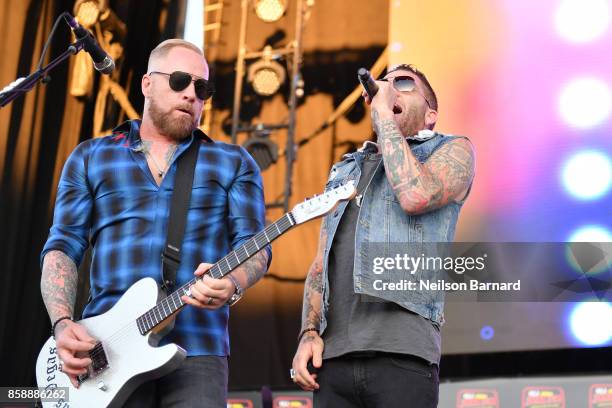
(126, 354)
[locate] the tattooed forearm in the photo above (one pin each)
(422, 187)
(415, 187)
(313, 287)
(254, 268)
(311, 306)
(58, 284)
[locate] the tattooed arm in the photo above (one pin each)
(313, 287)
(252, 270)
(68, 236)
(59, 286)
(422, 187)
(311, 344)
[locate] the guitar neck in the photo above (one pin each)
(173, 302)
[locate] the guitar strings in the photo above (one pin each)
(250, 247)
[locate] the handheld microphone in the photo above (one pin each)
(102, 61)
(367, 82)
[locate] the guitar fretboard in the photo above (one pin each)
(225, 265)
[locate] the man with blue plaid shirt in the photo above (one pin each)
(115, 193)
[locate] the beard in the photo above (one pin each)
(411, 122)
(173, 127)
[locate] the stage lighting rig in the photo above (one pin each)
(263, 150)
(88, 12)
(266, 75)
(270, 10)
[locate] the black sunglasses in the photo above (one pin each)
(406, 83)
(179, 80)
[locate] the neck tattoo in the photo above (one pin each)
(146, 149)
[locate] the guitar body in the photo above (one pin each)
(132, 358)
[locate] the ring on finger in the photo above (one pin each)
(292, 374)
(210, 301)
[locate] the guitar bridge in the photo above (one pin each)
(99, 363)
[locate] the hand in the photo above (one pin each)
(385, 98)
(209, 293)
(71, 339)
(310, 347)
(366, 97)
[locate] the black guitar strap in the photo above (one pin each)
(183, 184)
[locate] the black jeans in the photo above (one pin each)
(200, 382)
(377, 380)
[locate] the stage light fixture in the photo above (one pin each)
(587, 174)
(88, 12)
(263, 150)
(585, 102)
(591, 323)
(270, 10)
(266, 75)
(591, 233)
(581, 21)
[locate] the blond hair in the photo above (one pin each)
(164, 47)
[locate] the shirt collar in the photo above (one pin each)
(422, 136)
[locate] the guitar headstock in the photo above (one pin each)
(322, 204)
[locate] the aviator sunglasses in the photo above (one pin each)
(179, 80)
(405, 83)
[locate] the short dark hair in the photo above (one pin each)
(430, 95)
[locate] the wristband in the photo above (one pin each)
(303, 332)
(237, 294)
(57, 321)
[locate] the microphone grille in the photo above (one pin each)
(106, 66)
(362, 72)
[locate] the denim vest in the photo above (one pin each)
(381, 221)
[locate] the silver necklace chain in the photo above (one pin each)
(160, 172)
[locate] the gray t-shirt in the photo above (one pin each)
(363, 323)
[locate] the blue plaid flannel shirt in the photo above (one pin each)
(107, 197)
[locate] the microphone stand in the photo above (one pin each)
(23, 85)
